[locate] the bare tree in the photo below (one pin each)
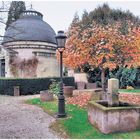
(16, 8)
(5, 17)
(4, 8)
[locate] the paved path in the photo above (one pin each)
(19, 120)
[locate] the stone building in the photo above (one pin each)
(29, 48)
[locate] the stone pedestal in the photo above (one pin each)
(113, 95)
(16, 91)
(113, 85)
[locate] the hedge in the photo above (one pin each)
(29, 86)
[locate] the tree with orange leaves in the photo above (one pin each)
(103, 38)
(103, 47)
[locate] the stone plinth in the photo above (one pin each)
(114, 119)
(112, 96)
(16, 91)
(113, 85)
(96, 94)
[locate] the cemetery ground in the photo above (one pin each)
(76, 124)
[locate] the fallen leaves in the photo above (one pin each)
(80, 100)
(131, 98)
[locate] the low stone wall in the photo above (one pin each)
(96, 94)
(114, 119)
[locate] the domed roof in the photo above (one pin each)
(30, 27)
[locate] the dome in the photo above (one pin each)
(30, 27)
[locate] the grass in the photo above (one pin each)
(130, 90)
(76, 125)
(49, 107)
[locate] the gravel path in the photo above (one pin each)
(20, 120)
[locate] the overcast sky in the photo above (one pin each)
(59, 14)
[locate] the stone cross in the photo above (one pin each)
(113, 95)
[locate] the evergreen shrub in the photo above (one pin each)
(29, 86)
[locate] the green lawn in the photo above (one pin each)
(130, 90)
(76, 125)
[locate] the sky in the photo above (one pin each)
(59, 14)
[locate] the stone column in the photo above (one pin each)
(112, 96)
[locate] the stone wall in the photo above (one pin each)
(47, 67)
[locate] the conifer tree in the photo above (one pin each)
(16, 8)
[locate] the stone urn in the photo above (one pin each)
(45, 96)
(68, 91)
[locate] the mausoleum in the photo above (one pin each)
(29, 48)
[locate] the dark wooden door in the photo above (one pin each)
(2, 67)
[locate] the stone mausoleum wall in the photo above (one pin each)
(44, 52)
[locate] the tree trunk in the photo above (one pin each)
(104, 96)
(103, 79)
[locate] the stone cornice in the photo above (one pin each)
(32, 47)
(37, 43)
